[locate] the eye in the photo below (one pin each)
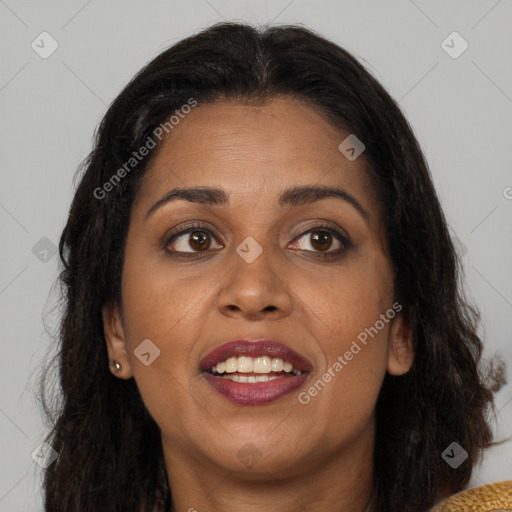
(322, 239)
(194, 239)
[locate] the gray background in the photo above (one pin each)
(460, 109)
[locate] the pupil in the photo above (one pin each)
(199, 240)
(321, 240)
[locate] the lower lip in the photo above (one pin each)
(259, 393)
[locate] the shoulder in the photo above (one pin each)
(495, 497)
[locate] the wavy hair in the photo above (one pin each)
(110, 453)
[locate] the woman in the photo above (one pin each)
(262, 305)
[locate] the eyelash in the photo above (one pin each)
(323, 256)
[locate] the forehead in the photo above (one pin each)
(255, 151)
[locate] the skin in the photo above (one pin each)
(317, 456)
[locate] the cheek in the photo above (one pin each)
(161, 307)
(342, 394)
(345, 315)
(158, 299)
(349, 302)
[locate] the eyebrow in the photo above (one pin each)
(296, 196)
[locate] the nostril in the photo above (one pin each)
(270, 308)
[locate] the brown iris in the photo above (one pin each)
(199, 240)
(321, 240)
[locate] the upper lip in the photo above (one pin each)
(254, 348)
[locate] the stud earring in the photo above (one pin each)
(116, 365)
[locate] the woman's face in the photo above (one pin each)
(258, 257)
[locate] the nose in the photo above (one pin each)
(254, 290)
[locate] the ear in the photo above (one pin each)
(401, 349)
(116, 342)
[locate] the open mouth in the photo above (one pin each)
(254, 372)
(254, 369)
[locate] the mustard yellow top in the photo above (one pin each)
(495, 497)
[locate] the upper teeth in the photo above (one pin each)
(262, 364)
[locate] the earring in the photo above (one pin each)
(116, 365)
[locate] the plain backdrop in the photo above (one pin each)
(457, 99)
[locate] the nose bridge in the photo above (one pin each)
(254, 287)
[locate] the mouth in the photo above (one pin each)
(254, 372)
